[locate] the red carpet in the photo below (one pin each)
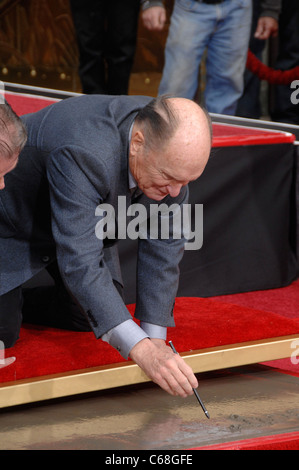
(283, 301)
(288, 441)
(201, 323)
(24, 104)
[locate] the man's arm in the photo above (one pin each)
(153, 14)
(271, 8)
(159, 256)
(80, 253)
(81, 260)
(268, 21)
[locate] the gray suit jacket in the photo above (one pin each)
(76, 158)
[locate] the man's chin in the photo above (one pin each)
(156, 197)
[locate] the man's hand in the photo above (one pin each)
(154, 18)
(266, 27)
(164, 367)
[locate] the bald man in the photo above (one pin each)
(83, 154)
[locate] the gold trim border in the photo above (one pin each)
(128, 373)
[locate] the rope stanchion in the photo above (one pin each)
(272, 76)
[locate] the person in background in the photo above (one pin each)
(222, 27)
(264, 25)
(106, 34)
(285, 109)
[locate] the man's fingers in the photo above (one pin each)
(164, 367)
(172, 385)
(154, 18)
(187, 372)
(188, 381)
(178, 388)
(266, 27)
(179, 376)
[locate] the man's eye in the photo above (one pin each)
(166, 177)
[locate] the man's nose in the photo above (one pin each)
(174, 189)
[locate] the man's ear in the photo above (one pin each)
(137, 142)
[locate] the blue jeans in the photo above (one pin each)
(224, 30)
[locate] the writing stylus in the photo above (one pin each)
(194, 390)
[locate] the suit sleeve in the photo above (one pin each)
(271, 8)
(158, 269)
(80, 254)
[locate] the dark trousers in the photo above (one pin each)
(10, 316)
(288, 57)
(106, 33)
(50, 305)
(249, 105)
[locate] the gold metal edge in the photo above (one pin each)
(128, 373)
(240, 354)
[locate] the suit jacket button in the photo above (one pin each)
(45, 259)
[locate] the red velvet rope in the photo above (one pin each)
(272, 76)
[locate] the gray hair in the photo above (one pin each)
(13, 134)
(158, 122)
